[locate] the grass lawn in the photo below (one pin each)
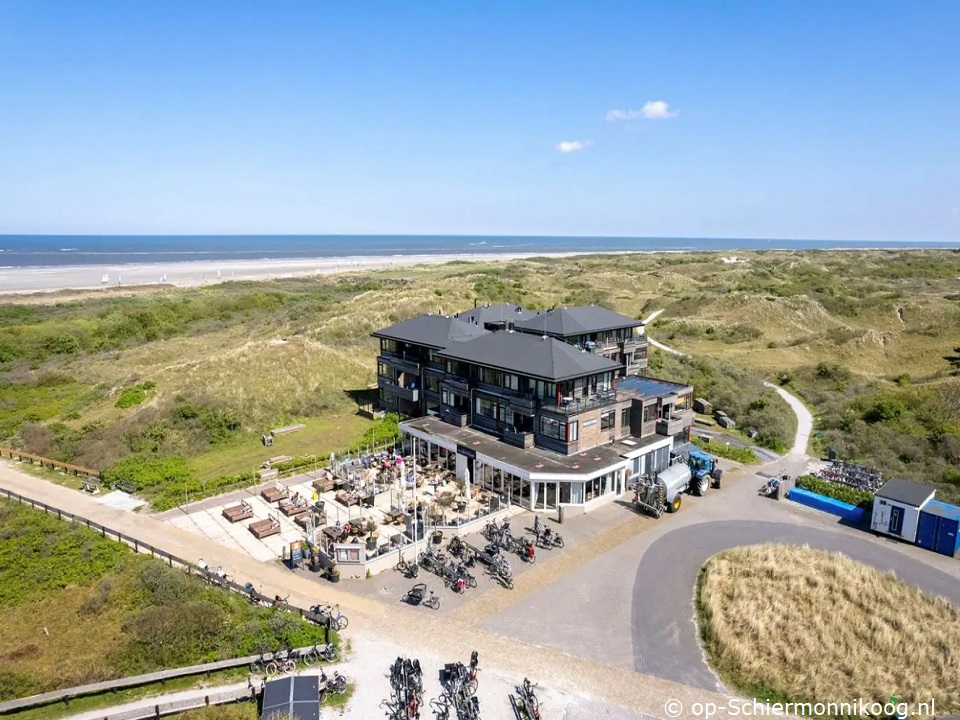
(321, 436)
(796, 624)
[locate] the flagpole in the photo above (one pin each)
(415, 519)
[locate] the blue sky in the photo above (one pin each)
(814, 119)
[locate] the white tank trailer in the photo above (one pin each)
(664, 490)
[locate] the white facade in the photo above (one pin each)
(540, 490)
(892, 517)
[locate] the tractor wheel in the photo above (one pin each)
(700, 485)
(675, 505)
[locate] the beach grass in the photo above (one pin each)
(796, 624)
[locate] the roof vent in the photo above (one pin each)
(543, 338)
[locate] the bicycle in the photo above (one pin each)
(409, 569)
(329, 653)
(338, 621)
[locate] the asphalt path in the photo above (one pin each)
(665, 637)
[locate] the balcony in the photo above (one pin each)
(574, 406)
(404, 363)
(518, 439)
(459, 385)
(676, 423)
(411, 394)
(454, 417)
(633, 343)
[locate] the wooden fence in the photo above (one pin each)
(175, 707)
(47, 462)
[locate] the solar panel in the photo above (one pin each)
(295, 697)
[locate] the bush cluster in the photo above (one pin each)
(729, 452)
(843, 493)
(738, 392)
(159, 616)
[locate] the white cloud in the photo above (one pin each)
(569, 146)
(652, 110)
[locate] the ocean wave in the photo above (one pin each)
(69, 249)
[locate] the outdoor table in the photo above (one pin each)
(365, 498)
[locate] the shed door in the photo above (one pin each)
(896, 520)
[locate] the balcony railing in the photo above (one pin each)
(405, 363)
(518, 438)
(457, 384)
(677, 422)
(411, 394)
(573, 406)
(454, 417)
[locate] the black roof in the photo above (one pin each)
(581, 320)
(906, 492)
(434, 331)
(540, 357)
(297, 697)
(504, 312)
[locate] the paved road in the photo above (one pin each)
(664, 629)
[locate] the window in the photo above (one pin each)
(649, 413)
(607, 420)
(433, 383)
(486, 408)
(683, 403)
(625, 419)
(389, 346)
(553, 428)
(384, 396)
(573, 431)
(384, 371)
(447, 397)
(606, 382)
(511, 382)
(641, 353)
(491, 377)
(546, 390)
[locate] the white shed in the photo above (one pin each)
(896, 508)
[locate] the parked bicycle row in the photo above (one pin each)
(459, 683)
(284, 662)
(406, 682)
(858, 476)
(526, 705)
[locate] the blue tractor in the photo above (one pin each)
(704, 470)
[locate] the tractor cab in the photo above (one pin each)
(702, 465)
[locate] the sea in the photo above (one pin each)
(18, 251)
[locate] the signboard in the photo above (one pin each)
(296, 554)
(467, 452)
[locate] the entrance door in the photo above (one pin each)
(896, 520)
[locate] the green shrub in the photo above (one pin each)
(843, 493)
(730, 452)
(131, 396)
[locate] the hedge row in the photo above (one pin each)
(843, 493)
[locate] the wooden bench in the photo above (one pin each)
(264, 528)
(127, 487)
(323, 484)
(291, 508)
(347, 499)
(274, 494)
(236, 513)
(303, 519)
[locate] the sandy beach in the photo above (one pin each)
(188, 274)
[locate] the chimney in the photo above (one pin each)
(474, 303)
